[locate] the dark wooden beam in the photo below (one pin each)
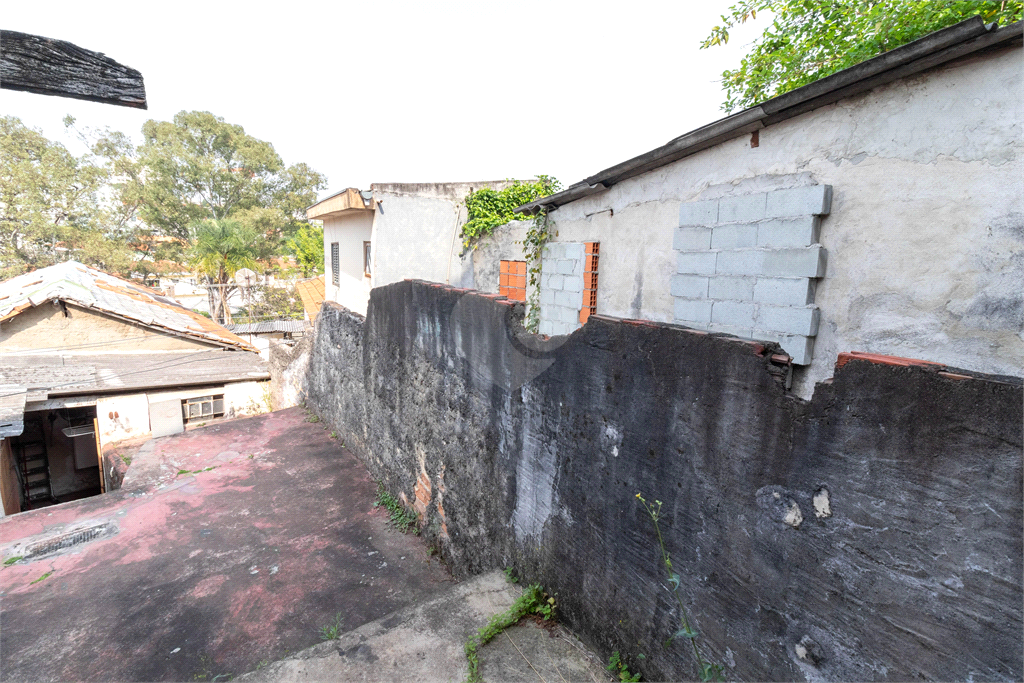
(56, 67)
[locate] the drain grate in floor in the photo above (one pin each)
(68, 539)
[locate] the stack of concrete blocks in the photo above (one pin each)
(561, 287)
(747, 265)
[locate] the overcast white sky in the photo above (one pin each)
(406, 91)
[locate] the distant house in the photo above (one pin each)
(391, 232)
(259, 334)
(876, 210)
(88, 359)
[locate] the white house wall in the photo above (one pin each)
(925, 237)
(415, 235)
(349, 231)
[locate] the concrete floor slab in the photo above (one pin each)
(226, 546)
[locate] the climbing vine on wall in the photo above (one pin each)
(537, 236)
(488, 208)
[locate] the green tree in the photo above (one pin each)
(811, 39)
(52, 206)
(308, 247)
(219, 249)
(199, 167)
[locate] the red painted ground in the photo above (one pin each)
(236, 565)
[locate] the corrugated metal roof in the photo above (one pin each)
(268, 327)
(312, 294)
(55, 375)
(12, 410)
(79, 284)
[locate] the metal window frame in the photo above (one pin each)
(367, 246)
(202, 408)
(335, 264)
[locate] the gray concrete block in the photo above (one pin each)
(574, 250)
(745, 207)
(734, 236)
(795, 262)
(569, 314)
(788, 320)
(569, 299)
(699, 213)
(692, 310)
(729, 287)
(545, 327)
(564, 267)
(736, 313)
(736, 331)
(554, 251)
(547, 295)
(696, 262)
(556, 281)
(690, 239)
(798, 347)
(806, 262)
(573, 283)
(813, 200)
(788, 232)
(784, 291)
(690, 286)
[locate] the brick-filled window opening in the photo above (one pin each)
(512, 280)
(590, 255)
(335, 264)
(366, 259)
(202, 408)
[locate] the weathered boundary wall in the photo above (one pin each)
(532, 457)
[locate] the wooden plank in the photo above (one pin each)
(99, 455)
(56, 67)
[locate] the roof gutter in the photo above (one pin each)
(932, 50)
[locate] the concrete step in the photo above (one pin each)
(425, 643)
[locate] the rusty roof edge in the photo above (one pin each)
(950, 43)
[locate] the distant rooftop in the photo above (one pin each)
(79, 284)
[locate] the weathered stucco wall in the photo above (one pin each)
(925, 239)
(528, 453)
(289, 362)
(47, 327)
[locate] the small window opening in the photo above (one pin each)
(202, 408)
(335, 264)
(512, 280)
(590, 256)
(366, 259)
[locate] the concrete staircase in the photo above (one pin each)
(425, 643)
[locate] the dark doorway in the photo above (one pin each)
(55, 457)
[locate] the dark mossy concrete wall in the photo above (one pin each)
(904, 562)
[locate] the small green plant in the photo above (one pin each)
(333, 630)
(127, 459)
(510, 576)
(184, 471)
(251, 456)
(488, 208)
(533, 601)
(619, 668)
(334, 435)
(262, 663)
(313, 418)
(399, 517)
(11, 560)
(42, 578)
(707, 671)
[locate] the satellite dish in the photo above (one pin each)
(245, 277)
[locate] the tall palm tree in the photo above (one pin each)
(219, 249)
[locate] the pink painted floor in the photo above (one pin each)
(209, 573)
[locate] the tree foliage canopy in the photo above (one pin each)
(122, 207)
(308, 247)
(52, 205)
(811, 39)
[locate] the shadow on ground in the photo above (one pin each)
(231, 546)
